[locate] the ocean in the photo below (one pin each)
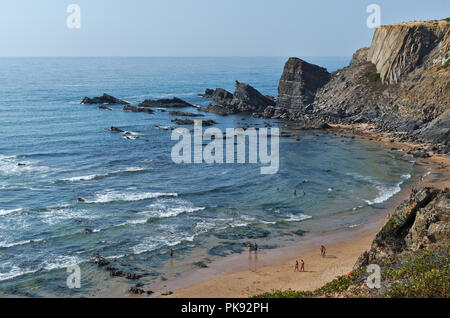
(138, 203)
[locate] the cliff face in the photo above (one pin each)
(398, 49)
(299, 83)
(399, 84)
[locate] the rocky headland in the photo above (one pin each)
(398, 85)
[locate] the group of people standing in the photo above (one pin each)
(300, 267)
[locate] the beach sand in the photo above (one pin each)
(244, 275)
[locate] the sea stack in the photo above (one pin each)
(299, 84)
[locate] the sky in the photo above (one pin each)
(200, 27)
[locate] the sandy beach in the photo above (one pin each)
(248, 274)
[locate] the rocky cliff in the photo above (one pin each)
(399, 84)
(299, 84)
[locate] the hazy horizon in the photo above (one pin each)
(199, 28)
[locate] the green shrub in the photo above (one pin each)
(373, 77)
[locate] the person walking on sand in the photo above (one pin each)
(256, 247)
(296, 267)
(323, 251)
(249, 247)
(302, 268)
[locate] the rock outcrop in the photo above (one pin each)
(245, 99)
(399, 85)
(105, 99)
(417, 223)
(299, 83)
(165, 103)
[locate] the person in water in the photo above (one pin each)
(295, 192)
(256, 247)
(171, 252)
(296, 267)
(323, 250)
(302, 268)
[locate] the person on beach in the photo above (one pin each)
(249, 247)
(323, 250)
(302, 268)
(256, 247)
(296, 267)
(171, 252)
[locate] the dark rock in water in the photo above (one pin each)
(138, 109)
(104, 99)
(116, 130)
(21, 164)
(86, 230)
(242, 232)
(227, 248)
(182, 121)
(81, 200)
(218, 109)
(299, 83)
(245, 99)
(150, 292)
(167, 293)
(164, 127)
(218, 95)
(100, 260)
(104, 107)
(179, 113)
(174, 102)
(421, 154)
(299, 232)
(137, 290)
(201, 264)
(188, 121)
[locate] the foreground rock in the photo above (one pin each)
(245, 99)
(165, 103)
(105, 99)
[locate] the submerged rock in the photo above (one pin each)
(116, 130)
(188, 121)
(138, 109)
(179, 113)
(104, 107)
(104, 99)
(165, 103)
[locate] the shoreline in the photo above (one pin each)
(247, 274)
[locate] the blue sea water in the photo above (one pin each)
(140, 204)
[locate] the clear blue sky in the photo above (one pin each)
(200, 27)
